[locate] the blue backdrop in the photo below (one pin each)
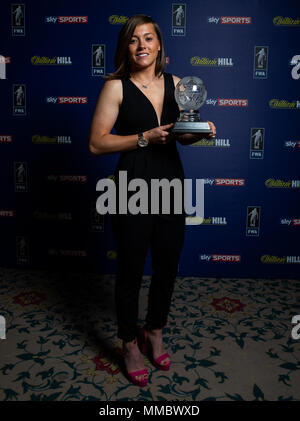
(247, 53)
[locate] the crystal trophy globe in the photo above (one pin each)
(190, 95)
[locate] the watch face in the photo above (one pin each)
(142, 142)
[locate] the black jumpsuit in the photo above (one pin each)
(134, 234)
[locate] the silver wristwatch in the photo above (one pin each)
(142, 142)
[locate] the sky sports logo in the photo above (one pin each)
(295, 222)
(230, 20)
(217, 258)
(66, 19)
(67, 100)
(240, 182)
(67, 178)
(7, 213)
(5, 138)
(232, 102)
(292, 144)
(229, 182)
(227, 102)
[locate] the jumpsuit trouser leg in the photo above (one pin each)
(166, 245)
(134, 235)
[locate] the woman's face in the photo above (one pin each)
(143, 47)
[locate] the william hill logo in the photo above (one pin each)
(54, 139)
(214, 220)
(281, 184)
(111, 254)
(214, 143)
(54, 216)
(284, 104)
(117, 20)
(54, 61)
(267, 259)
(285, 21)
(211, 62)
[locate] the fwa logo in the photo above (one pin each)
(96, 220)
(253, 221)
(257, 140)
(178, 19)
(260, 70)
(98, 59)
(19, 100)
(18, 19)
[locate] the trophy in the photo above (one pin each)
(190, 95)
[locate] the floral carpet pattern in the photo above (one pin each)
(229, 339)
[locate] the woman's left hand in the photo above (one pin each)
(189, 138)
(213, 129)
(198, 136)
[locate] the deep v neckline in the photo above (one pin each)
(152, 106)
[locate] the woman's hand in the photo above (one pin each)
(213, 129)
(189, 138)
(158, 134)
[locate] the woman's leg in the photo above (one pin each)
(132, 234)
(166, 246)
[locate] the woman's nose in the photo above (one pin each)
(141, 45)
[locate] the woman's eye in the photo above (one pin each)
(149, 39)
(132, 41)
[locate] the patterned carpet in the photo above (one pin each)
(229, 339)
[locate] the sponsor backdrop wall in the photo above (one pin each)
(247, 53)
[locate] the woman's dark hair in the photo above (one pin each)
(122, 64)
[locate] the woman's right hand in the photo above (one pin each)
(158, 134)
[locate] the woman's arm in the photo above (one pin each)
(101, 141)
(189, 138)
(103, 120)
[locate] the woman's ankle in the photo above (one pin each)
(155, 331)
(130, 344)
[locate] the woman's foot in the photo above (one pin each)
(134, 360)
(155, 338)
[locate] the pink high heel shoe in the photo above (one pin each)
(156, 362)
(133, 374)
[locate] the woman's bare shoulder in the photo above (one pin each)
(113, 88)
(113, 84)
(176, 79)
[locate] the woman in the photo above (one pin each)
(138, 101)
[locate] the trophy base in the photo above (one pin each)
(191, 127)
